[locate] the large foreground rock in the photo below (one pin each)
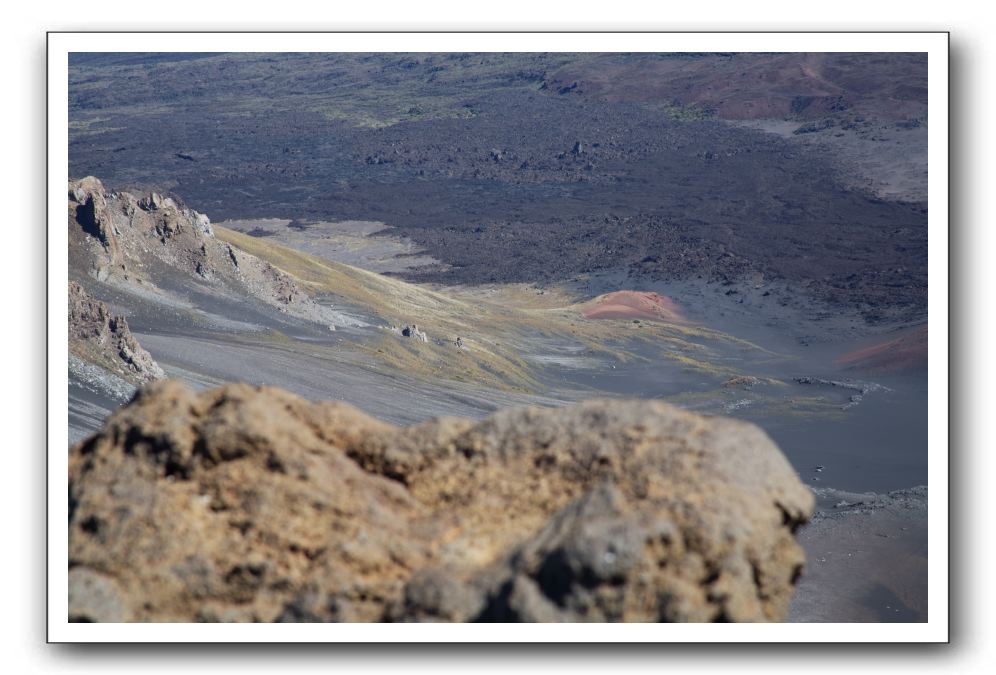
(251, 504)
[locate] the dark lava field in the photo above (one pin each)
(542, 168)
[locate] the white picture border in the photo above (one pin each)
(935, 44)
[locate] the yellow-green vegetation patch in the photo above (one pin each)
(90, 127)
(498, 324)
(724, 401)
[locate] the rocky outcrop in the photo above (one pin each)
(251, 504)
(88, 208)
(104, 339)
(127, 240)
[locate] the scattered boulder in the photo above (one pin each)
(746, 382)
(251, 504)
(413, 331)
(104, 339)
(152, 202)
(203, 224)
(815, 126)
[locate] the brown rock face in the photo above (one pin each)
(251, 504)
(99, 337)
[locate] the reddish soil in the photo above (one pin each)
(635, 305)
(906, 352)
(758, 86)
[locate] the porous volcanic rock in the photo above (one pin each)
(251, 504)
(104, 339)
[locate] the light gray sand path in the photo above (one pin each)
(93, 393)
(327, 372)
(352, 242)
(87, 411)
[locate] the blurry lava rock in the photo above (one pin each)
(251, 504)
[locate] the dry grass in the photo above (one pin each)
(497, 324)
